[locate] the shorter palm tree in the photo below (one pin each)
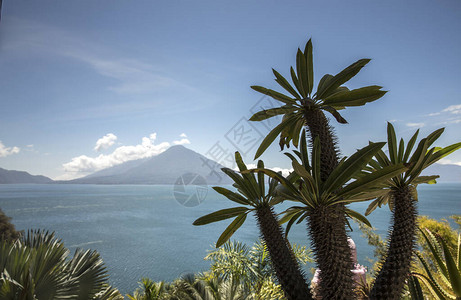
(320, 199)
(36, 267)
(448, 269)
(251, 192)
(401, 195)
(251, 266)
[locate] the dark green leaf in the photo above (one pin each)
(357, 97)
(341, 78)
(357, 216)
(276, 95)
(310, 65)
(273, 135)
(269, 113)
(410, 146)
(392, 143)
(352, 165)
(452, 268)
(301, 66)
(220, 215)
(225, 236)
(285, 84)
(232, 196)
(335, 114)
(295, 80)
(374, 179)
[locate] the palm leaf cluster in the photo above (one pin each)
(251, 191)
(237, 272)
(445, 281)
(37, 267)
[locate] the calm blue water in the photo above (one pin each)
(142, 231)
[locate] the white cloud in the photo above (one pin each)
(182, 142)
(453, 109)
(285, 172)
(183, 135)
(147, 148)
(5, 151)
(83, 164)
(446, 161)
(412, 125)
(105, 142)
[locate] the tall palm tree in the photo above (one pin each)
(252, 195)
(401, 195)
(36, 267)
(321, 198)
(303, 108)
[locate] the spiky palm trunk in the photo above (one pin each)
(329, 241)
(327, 225)
(287, 270)
(318, 126)
(395, 268)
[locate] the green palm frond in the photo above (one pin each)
(448, 268)
(37, 265)
(251, 192)
(330, 96)
(311, 191)
(417, 159)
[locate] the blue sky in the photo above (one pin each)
(89, 84)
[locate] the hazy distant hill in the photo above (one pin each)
(11, 176)
(164, 168)
(448, 173)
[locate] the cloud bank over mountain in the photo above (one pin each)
(84, 164)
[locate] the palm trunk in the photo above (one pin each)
(390, 282)
(318, 126)
(287, 270)
(327, 225)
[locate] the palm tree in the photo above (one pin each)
(321, 198)
(401, 195)
(252, 194)
(303, 108)
(251, 266)
(36, 267)
(150, 290)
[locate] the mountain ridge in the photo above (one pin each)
(164, 168)
(13, 176)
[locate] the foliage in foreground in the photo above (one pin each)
(36, 266)
(237, 272)
(445, 281)
(430, 254)
(7, 229)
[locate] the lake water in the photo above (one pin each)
(142, 231)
